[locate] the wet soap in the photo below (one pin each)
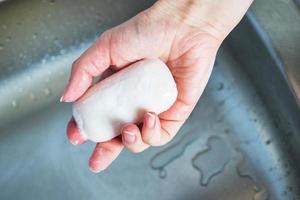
(124, 97)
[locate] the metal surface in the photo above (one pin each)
(281, 21)
(240, 143)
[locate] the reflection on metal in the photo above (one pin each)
(261, 194)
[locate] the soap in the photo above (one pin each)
(124, 97)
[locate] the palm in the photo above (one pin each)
(189, 55)
(188, 52)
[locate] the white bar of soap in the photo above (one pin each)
(124, 97)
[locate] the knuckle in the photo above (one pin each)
(76, 64)
(104, 34)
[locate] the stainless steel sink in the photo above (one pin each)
(242, 141)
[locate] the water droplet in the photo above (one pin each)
(268, 142)
(62, 51)
(29, 77)
(4, 27)
(212, 161)
(8, 39)
(168, 155)
(14, 104)
(34, 36)
(1, 47)
(44, 61)
(261, 195)
(47, 91)
(227, 131)
(220, 86)
(57, 42)
(162, 173)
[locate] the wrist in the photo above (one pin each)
(215, 17)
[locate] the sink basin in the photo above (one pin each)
(240, 143)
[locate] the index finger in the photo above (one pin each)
(93, 62)
(104, 154)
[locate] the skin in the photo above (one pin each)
(186, 35)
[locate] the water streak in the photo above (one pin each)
(212, 161)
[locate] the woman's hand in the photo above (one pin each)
(186, 36)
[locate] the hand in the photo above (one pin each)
(186, 42)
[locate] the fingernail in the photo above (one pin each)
(94, 170)
(74, 136)
(95, 167)
(128, 137)
(95, 164)
(66, 100)
(150, 120)
(76, 139)
(74, 142)
(61, 98)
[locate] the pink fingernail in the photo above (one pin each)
(150, 120)
(65, 99)
(128, 137)
(74, 136)
(94, 170)
(94, 164)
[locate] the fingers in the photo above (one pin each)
(172, 120)
(131, 137)
(73, 133)
(156, 131)
(104, 154)
(137, 141)
(151, 131)
(191, 78)
(91, 63)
